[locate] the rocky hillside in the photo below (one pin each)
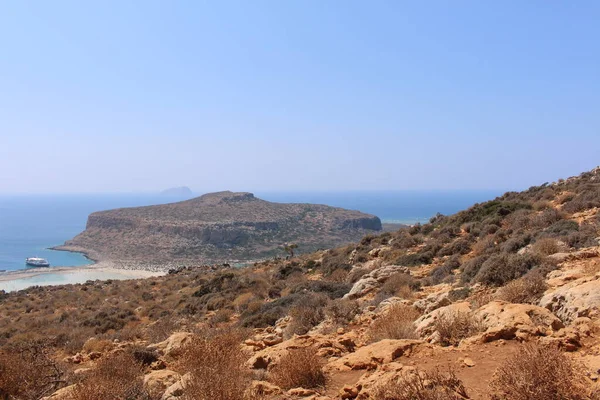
(218, 227)
(499, 302)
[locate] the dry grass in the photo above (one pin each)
(396, 323)
(527, 290)
(115, 377)
(538, 373)
(216, 365)
(299, 368)
(415, 385)
(454, 327)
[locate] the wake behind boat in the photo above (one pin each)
(37, 262)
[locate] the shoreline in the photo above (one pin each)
(107, 267)
(74, 249)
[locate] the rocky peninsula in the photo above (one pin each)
(217, 227)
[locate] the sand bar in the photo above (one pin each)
(21, 279)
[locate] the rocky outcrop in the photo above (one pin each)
(373, 280)
(159, 381)
(580, 298)
(503, 320)
(373, 355)
(173, 345)
(216, 227)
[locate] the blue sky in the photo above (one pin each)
(120, 96)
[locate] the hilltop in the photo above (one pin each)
(218, 227)
(499, 301)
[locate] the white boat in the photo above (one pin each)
(37, 262)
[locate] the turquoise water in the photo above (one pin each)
(31, 224)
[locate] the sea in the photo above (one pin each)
(31, 224)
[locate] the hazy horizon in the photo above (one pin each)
(138, 97)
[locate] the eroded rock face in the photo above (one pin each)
(215, 227)
(580, 298)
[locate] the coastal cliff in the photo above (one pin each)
(217, 227)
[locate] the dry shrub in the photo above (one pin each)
(528, 289)
(538, 373)
(242, 301)
(118, 376)
(453, 327)
(396, 323)
(99, 345)
(307, 313)
(28, 372)
(299, 368)
(221, 316)
(541, 205)
(415, 385)
(339, 275)
(161, 329)
(342, 311)
(565, 197)
(480, 299)
(216, 366)
(483, 245)
(547, 246)
(400, 284)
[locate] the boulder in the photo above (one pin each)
(173, 345)
(176, 390)
(363, 388)
(425, 325)
(502, 320)
(158, 381)
(433, 302)
(373, 280)
(580, 298)
(61, 394)
(264, 388)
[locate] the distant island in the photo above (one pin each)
(181, 191)
(218, 227)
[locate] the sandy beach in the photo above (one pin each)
(21, 279)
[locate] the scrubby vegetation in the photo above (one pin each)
(540, 373)
(423, 386)
(396, 323)
(323, 305)
(299, 368)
